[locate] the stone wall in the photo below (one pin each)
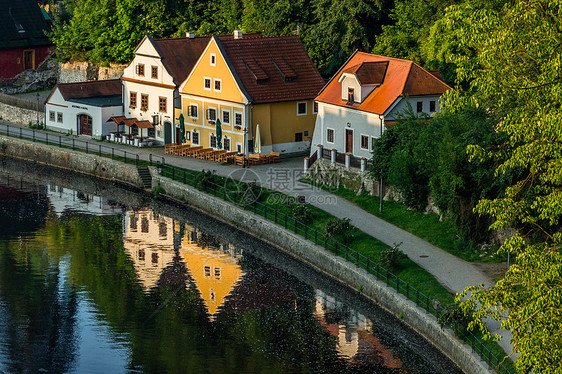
(71, 72)
(44, 77)
(337, 175)
(331, 265)
(20, 115)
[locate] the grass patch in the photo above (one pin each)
(426, 226)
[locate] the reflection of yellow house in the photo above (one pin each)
(214, 272)
(149, 240)
(246, 81)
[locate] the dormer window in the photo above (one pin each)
(350, 95)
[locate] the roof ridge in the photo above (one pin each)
(407, 77)
(93, 81)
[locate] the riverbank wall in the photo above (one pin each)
(333, 266)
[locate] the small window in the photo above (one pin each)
(187, 135)
(52, 116)
(163, 229)
(207, 271)
(419, 106)
(330, 135)
(364, 142)
(207, 83)
(238, 147)
(195, 138)
(217, 85)
(144, 225)
(350, 94)
(140, 70)
(217, 272)
(213, 141)
(226, 144)
(141, 254)
(144, 102)
(225, 116)
(59, 117)
(306, 133)
(315, 107)
(154, 72)
(373, 141)
(133, 223)
(162, 104)
(151, 132)
(432, 106)
(193, 111)
(132, 100)
(301, 108)
(212, 114)
(213, 59)
(298, 137)
(238, 120)
(154, 257)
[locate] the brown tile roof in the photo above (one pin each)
(272, 69)
(369, 72)
(89, 89)
(401, 78)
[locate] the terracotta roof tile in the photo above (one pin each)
(401, 78)
(369, 72)
(273, 69)
(90, 89)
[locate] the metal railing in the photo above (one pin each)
(77, 144)
(288, 222)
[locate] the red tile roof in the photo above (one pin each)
(401, 78)
(89, 89)
(272, 69)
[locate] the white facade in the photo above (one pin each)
(147, 77)
(64, 116)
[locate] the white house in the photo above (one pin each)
(150, 82)
(83, 108)
(365, 94)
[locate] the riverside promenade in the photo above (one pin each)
(452, 272)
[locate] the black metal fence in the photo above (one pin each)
(320, 238)
(83, 145)
(193, 179)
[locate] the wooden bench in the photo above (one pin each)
(200, 153)
(192, 150)
(254, 159)
(273, 156)
(227, 156)
(239, 160)
(169, 148)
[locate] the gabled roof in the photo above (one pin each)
(22, 24)
(89, 89)
(271, 69)
(402, 77)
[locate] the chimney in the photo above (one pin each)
(237, 34)
(190, 35)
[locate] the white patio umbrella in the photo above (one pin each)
(257, 142)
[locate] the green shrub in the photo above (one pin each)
(453, 315)
(391, 258)
(158, 190)
(339, 229)
(301, 212)
(207, 179)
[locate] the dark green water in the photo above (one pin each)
(91, 285)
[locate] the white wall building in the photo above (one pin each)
(367, 92)
(83, 108)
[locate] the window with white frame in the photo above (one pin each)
(432, 106)
(213, 141)
(364, 142)
(373, 140)
(330, 135)
(52, 115)
(226, 116)
(314, 107)
(239, 147)
(226, 144)
(212, 114)
(238, 120)
(207, 84)
(213, 59)
(59, 117)
(301, 108)
(218, 83)
(195, 138)
(193, 111)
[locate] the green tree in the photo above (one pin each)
(515, 73)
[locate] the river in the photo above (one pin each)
(99, 279)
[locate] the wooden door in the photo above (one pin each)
(178, 136)
(85, 124)
(167, 132)
(28, 60)
(348, 141)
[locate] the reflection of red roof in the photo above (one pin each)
(89, 89)
(273, 69)
(401, 78)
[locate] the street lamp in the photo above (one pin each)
(37, 109)
(380, 191)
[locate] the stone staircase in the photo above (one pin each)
(145, 177)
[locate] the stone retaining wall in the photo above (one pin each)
(19, 115)
(333, 266)
(71, 72)
(337, 175)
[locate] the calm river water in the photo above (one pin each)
(97, 279)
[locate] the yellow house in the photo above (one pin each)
(258, 87)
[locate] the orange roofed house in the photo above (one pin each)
(258, 88)
(367, 91)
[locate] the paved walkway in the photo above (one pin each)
(453, 273)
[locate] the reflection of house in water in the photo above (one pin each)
(213, 267)
(352, 330)
(149, 240)
(63, 200)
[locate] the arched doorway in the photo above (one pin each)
(167, 132)
(84, 124)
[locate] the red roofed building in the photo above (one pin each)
(261, 89)
(367, 91)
